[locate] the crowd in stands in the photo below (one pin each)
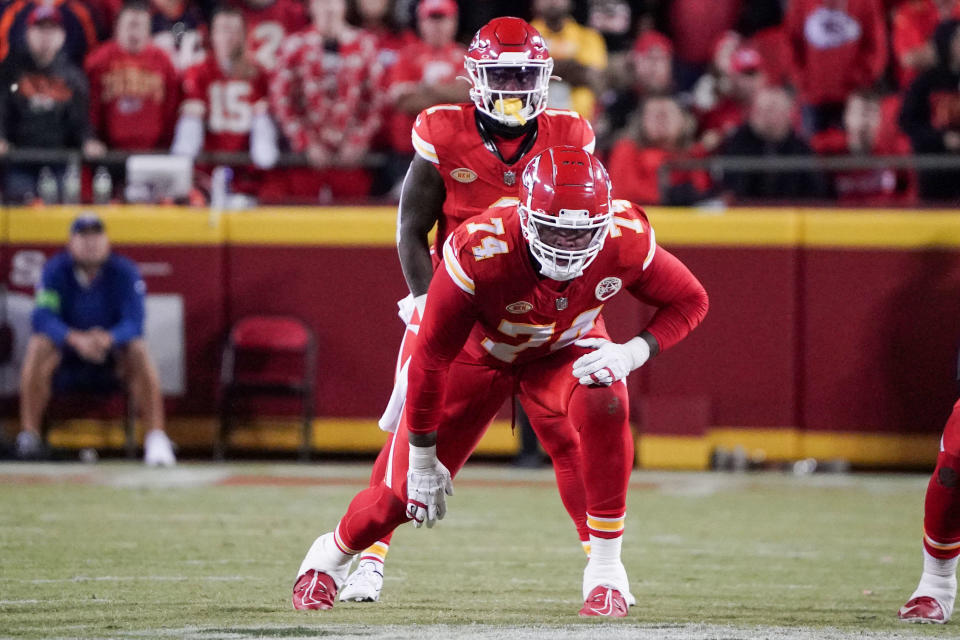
(341, 81)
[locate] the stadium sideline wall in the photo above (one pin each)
(831, 333)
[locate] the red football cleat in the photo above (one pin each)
(604, 601)
(314, 590)
(922, 609)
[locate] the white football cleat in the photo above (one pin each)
(158, 450)
(613, 576)
(932, 602)
(364, 584)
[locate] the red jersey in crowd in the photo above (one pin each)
(422, 64)
(869, 187)
(635, 172)
(475, 176)
(914, 22)
(697, 25)
(838, 46)
(328, 97)
(133, 97)
(268, 26)
(228, 102)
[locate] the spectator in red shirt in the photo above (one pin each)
(695, 27)
(327, 98)
(427, 75)
(225, 99)
(861, 136)
(738, 89)
(838, 46)
(661, 131)
(651, 74)
(134, 89)
(914, 22)
(268, 23)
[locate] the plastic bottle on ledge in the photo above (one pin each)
(47, 189)
(71, 184)
(102, 186)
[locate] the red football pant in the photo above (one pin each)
(557, 437)
(941, 518)
(590, 424)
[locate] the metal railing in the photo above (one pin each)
(717, 166)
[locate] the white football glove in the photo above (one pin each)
(609, 361)
(428, 482)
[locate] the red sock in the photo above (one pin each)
(372, 515)
(606, 449)
(941, 519)
(377, 476)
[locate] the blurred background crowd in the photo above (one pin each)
(320, 95)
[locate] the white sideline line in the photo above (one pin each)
(133, 579)
(619, 630)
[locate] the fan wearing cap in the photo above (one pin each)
(516, 307)
(470, 157)
(43, 102)
(737, 90)
(428, 76)
(649, 73)
(88, 338)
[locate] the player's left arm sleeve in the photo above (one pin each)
(448, 319)
(681, 300)
(132, 312)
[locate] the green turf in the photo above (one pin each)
(114, 550)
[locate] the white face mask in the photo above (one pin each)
(564, 244)
(512, 90)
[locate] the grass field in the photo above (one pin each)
(115, 550)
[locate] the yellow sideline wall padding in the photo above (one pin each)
(333, 435)
(881, 229)
(125, 225)
(339, 226)
(330, 435)
(376, 226)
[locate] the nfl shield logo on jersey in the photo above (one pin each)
(561, 304)
(509, 178)
(608, 287)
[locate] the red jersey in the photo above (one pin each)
(228, 102)
(422, 65)
(837, 47)
(133, 97)
(475, 177)
(489, 300)
(869, 187)
(913, 25)
(268, 26)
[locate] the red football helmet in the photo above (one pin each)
(509, 66)
(565, 210)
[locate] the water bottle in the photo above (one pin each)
(220, 187)
(71, 184)
(102, 186)
(47, 188)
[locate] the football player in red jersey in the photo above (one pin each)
(469, 157)
(934, 597)
(516, 305)
(225, 98)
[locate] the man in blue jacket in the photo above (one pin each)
(88, 337)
